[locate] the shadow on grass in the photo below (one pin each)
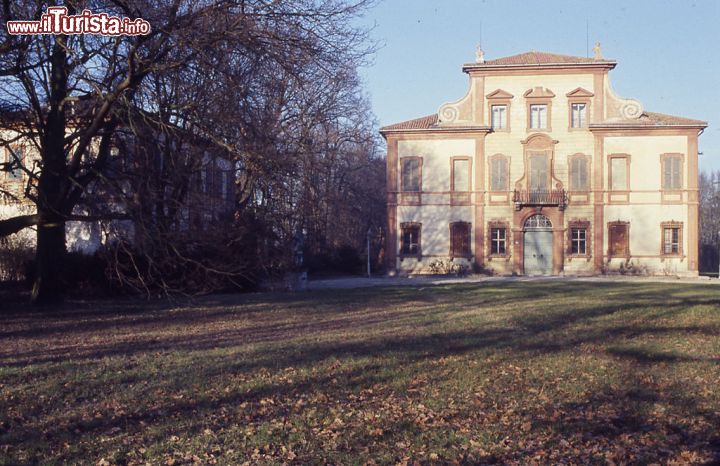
(394, 328)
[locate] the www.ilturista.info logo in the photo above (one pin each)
(56, 20)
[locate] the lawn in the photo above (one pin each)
(544, 372)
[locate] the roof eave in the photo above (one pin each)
(437, 129)
(609, 64)
(701, 125)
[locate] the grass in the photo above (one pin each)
(540, 372)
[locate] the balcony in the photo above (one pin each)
(555, 197)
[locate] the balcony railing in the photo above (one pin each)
(535, 197)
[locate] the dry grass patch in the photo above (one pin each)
(486, 373)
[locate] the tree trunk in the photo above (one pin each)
(50, 250)
(49, 259)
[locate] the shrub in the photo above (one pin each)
(448, 267)
(16, 252)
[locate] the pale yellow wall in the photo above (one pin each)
(436, 214)
(645, 210)
(435, 234)
(509, 143)
(645, 151)
(645, 233)
(436, 159)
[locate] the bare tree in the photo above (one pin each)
(709, 221)
(231, 72)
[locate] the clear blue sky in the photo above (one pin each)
(667, 51)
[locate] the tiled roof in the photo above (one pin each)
(425, 122)
(540, 58)
(654, 119)
(646, 119)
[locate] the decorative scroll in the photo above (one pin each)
(448, 113)
(459, 112)
(620, 108)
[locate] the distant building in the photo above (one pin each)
(542, 170)
(202, 184)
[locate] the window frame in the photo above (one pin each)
(664, 158)
(547, 155)
(420, 172)
(506, 162)
(610, 159)
(571, 121)
(467, 252)
(410, 225)
(539, 96)
(495, 98)
(610, 251)
(500, 226)
(9, 158)
(588, 172)
(530, 116)
(504, 122)
(452, 173)
(671, 225)
(579, 225)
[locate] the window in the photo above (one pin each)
(410, 239)
(618, 239)
(672, 171)
(671, 238)
(498, 173)
(460, 239)
(619, 179)
(579, 173)
(578, 117)
(499, 117)
(460, 174)
(410, 174)
(539, 100)
(498, 241)
(538, 116)
(499, 108)
(539, 171)
(19, 153)
(578, 241)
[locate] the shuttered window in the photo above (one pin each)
(539, 172)
(499, 174)
(672, 172)
(460, 239)
(618, 240)
(579, 174)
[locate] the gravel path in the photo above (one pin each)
(364, 282)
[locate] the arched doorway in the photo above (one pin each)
(538, 245)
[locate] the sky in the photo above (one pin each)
(667, 52)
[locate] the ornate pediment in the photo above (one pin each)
(539, 92)
(499, 94)
(539, 141)
(580, 92)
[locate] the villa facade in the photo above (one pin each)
(542, 170)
